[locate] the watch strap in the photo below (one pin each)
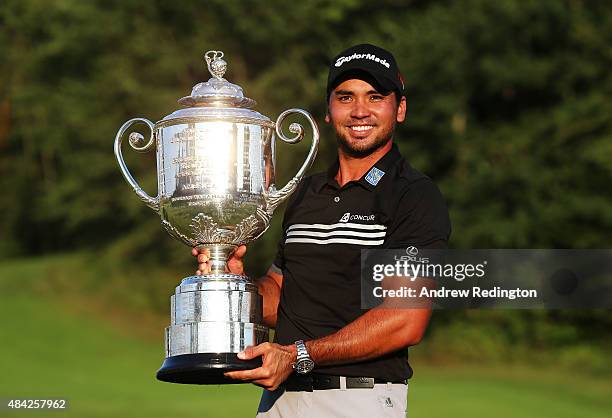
(302, 352)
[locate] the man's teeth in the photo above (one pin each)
(361, 127)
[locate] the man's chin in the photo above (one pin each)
(360, 149)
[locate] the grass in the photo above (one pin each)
(519, 392)
(105, 367)
(101, 372)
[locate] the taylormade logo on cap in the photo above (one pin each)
(356, 56)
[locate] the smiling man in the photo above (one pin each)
(330, 358)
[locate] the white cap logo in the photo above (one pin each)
(356, 56)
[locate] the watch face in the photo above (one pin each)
(304, 366)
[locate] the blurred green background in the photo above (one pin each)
(509, 111)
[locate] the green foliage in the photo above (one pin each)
(573, 340)
(509, 112)
(508, 108)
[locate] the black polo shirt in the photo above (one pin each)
(324, 230)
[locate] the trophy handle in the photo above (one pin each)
(135, 139)
(276, 197)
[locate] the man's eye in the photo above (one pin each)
(376, 98)
(344, 98)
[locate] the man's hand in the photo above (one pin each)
(234, 264)
(277, 365)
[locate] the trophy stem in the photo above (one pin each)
(219, 254)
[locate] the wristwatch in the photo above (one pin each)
(304, 363)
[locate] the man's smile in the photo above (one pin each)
(360, 130)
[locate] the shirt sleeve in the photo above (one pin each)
(421, 219)
(279, 260)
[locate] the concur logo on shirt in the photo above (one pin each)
(348, 217)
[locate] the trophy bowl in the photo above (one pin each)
(216, 191)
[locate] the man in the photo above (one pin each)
(370, 198)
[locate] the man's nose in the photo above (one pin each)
(360, 109)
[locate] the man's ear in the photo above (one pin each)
(401, 110)
(327, 118)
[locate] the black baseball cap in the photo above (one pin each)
(366, 62)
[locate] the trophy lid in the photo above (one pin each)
(217, 92)
(217, 99)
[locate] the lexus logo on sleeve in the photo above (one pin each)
(411, 256)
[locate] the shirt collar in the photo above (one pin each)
(372, 177)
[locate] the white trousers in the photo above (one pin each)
(384, 400)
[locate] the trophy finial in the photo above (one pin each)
(216, 66)
(217, 91)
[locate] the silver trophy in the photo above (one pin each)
(216, 190)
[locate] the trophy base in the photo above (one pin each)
(204, 368)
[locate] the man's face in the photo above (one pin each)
(364, 119)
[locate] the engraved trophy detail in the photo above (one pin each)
(216, 190)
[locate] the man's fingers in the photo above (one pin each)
(240, 251)
(203, 255)
(203, 268)
(253, 374)
(253, 351)
(244, 374)
(235, 266)
(273, 371)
